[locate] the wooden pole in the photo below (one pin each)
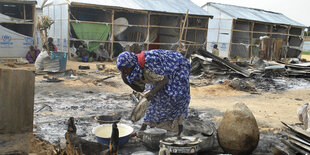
(25, 13)
(287, 42)
(231, 36)
(182, 30)
(33, 25)
(270, 31)
(68, 33)
(185, 35)
(251, 39)
(112, 34)
(148, 30)
(206, 34)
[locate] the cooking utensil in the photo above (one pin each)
(151, 137)
(186, 144)
(103, 133)
(107, 119)
(140, 110)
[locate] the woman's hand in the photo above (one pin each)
(149, 96)
(159, 86)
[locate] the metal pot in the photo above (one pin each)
(151, 137)
(186, 145)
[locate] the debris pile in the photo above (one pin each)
(211, 63)
(206, 62)
(302, 69)
(297, 140)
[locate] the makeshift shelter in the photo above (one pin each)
(118, 24)
(16, 27)
(239, 32)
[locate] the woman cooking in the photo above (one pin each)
(168, 73)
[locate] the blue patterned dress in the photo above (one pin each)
(172, 101)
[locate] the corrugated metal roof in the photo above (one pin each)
(19, 1)
(239, 12)
(169, 6)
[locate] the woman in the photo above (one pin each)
(168, 72)
(32, 54)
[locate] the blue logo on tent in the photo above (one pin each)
(6, 40)
(223, 46)
(28, 41)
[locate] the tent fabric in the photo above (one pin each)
(13, 44)
(91, 31)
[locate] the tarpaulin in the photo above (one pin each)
(91, 31)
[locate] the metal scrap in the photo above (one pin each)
(221, 61)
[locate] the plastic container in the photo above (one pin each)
(62, 58)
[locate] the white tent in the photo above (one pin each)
(13, 44)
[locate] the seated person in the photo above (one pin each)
(83, 54)
(102, 54)
(41, 58)
(32, 54)
(51, 45)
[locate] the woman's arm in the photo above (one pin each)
(133, 86)
(159, 85)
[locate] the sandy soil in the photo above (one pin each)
(307, 57)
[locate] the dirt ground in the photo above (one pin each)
(269, 108)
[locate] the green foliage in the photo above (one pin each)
(305, 53)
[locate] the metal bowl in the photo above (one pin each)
(124, 135)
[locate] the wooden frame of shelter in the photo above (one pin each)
(194, 36)
(27, 13)
(240, 29)
(287, 39)
(18, 17)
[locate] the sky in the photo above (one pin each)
(298, 10)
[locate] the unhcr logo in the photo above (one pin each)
(6, 40)
(28, 41)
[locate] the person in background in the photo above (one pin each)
(51, 45)
(41, 58)
(102, 54)
(215, 50)
(32, 54)
(168, 73)
(82, 53)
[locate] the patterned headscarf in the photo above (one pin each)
(129, 59)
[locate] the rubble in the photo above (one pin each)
(241, 85)
(296, 139)
(217, 65)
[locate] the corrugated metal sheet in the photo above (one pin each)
(19, 1)
(239, 12)
(169, 6)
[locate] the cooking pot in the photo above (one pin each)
(103, 133)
